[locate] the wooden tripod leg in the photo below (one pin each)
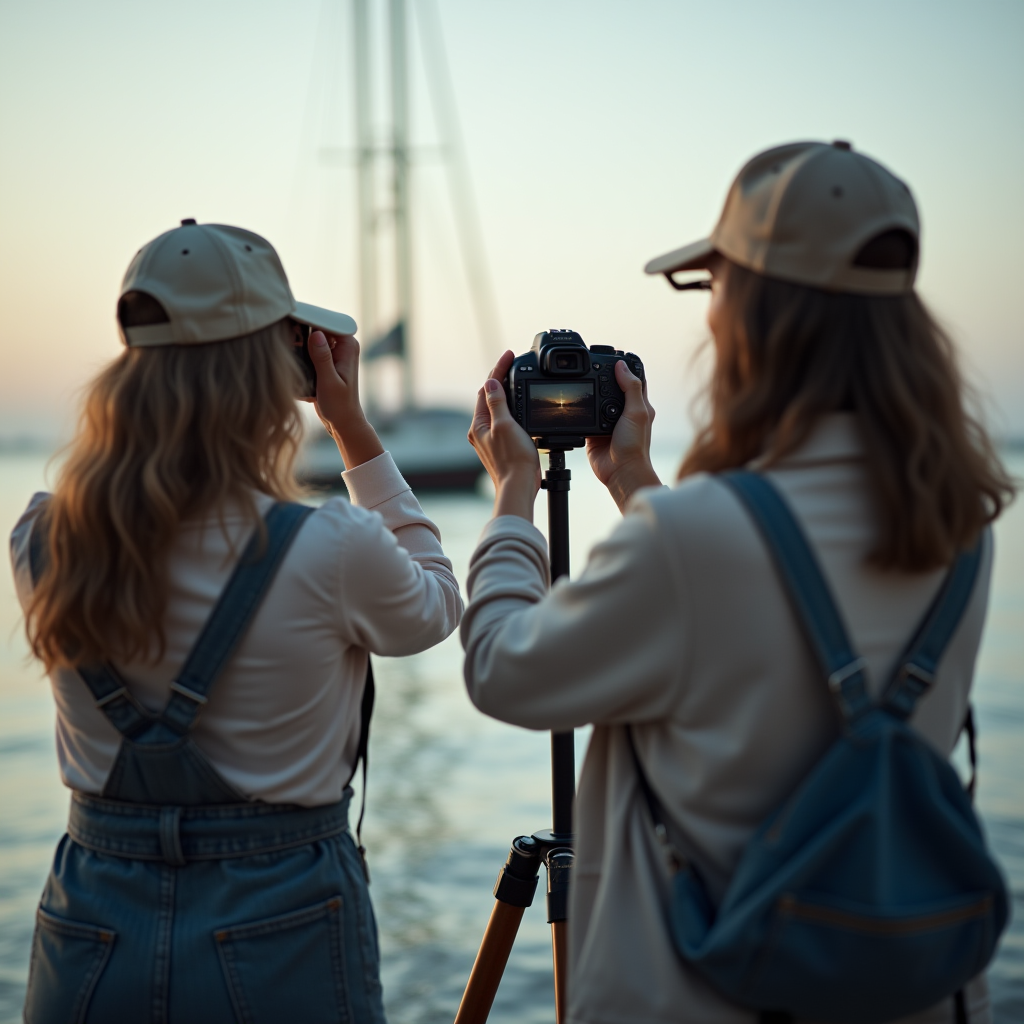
(513, 893)
(559, 864)
(560, 955)
(490, 964)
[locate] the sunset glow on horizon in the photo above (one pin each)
(597, 135)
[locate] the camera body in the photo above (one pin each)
(300, 349)
(563, 389)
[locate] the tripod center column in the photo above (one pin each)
(563, 753)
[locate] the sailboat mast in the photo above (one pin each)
(366, 168)
(400, 164)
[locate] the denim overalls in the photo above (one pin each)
(173, 898)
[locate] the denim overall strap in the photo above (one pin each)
(107, 687)
(158, 764)
(220, 636)
(232, 614)
(37, 554)
(110, 694)
(807, 589)
(916, 668)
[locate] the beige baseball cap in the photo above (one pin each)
(804, 212)
(211, 282)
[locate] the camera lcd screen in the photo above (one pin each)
(568, 405)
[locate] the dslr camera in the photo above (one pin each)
(562, 389)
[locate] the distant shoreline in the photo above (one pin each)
(28, 444)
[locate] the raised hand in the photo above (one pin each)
(505, 449)
(336, 360)
(622, 462)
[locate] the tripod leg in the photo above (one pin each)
(560, 957)
(559, 863)
(513, 893)
(489, 964)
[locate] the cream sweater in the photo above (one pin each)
(679, 626)
(282, 722)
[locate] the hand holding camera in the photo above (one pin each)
(564, 395)
(562, 390)
(506, 451)
(622, 462)
(334, 390)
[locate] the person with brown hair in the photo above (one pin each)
(206, 637)
(833, 382)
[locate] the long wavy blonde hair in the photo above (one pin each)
(792, 353)
(166, 434)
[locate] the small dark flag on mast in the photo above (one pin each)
(390, 344)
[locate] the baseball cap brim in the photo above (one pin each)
(694, 256)
(324, 319)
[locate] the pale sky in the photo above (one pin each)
(598, 134)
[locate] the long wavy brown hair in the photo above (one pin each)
(792, 353)
(166, 434)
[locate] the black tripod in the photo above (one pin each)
(517, 881)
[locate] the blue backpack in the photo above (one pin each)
(869, 894)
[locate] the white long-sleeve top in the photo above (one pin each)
(282, 721)
(679, 625)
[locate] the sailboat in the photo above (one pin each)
(428, 443)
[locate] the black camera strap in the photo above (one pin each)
(362, 754)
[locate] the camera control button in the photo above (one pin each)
(611, 410)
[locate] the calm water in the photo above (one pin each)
(449, 789)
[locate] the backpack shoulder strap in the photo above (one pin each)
(807, 589)
(917, 666)
(232, 614)
(676, 860)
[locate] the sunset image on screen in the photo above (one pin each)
(568, 404)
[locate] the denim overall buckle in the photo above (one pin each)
(197, 698)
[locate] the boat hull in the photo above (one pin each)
(429, 447)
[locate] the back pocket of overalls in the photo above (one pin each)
(289, 967)
(67, 960)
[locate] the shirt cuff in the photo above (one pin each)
(514, 526)
(374, 482)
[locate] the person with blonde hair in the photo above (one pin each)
(206, 637)
(835, 390)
